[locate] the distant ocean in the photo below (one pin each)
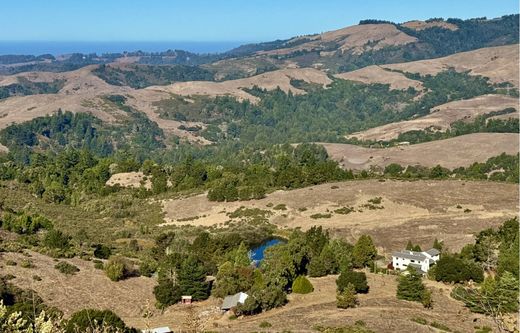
(60, 48)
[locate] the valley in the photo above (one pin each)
(134, 185)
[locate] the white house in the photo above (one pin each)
(421, 261)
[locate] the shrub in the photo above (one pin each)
(98, 264)
(93, 320)
(36, 278)
(66, 268)
(280, 207)
(450, 268)
(26, 264)
(321, 216)
(357, 279)
(344, 210)
(265, 324)
(376, 200)
(440, 326)
(147, 268)
(117, 268)
(102, 251)
(426, 299)
(419, 320)
(302, 285)
(10, 263)
(347, 297)
(55, 239)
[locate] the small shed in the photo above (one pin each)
(186, 299)
(234, 300)
(164, 329)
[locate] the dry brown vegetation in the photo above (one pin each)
(442, 116)
(85, 92)
(421, 25)
(499, 64)
(379, 309)
(425, 209)
(450, 153)
(130, 179)
(270, 81)
(378, 74)
(354, 38)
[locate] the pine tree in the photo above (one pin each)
(347, 298)
(317, 267)
(438, 245)
(192, 279)
(242, 255)
(357, 279)
(410, 287)
(329, 260)
(364, 251)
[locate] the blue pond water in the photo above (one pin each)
(257, 254)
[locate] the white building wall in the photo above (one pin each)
(402, 263)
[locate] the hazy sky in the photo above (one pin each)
(230, 20)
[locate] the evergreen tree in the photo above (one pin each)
(438, 244)
(242, 255)
(192, 279)
(357, 279)
(410, 286)
(364, 252)
(347, 298)
(329, 260)
(317, 267)
(302, 285)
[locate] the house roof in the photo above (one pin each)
(409, 255)
(164, 329)
(233, 300)
(433, 252)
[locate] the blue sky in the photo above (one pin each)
(206, 20)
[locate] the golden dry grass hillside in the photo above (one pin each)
(499, 64)
(442, 116)
(236, 88)
(354, 38)
(450, 153)
(426, 209)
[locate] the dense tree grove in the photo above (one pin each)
(480, 124)
(471, 34)
(70, 174)
(25, 87)
(495, 251)
(321, 114)
(141, 76)
(282, 270)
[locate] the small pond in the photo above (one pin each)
(257, 253)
